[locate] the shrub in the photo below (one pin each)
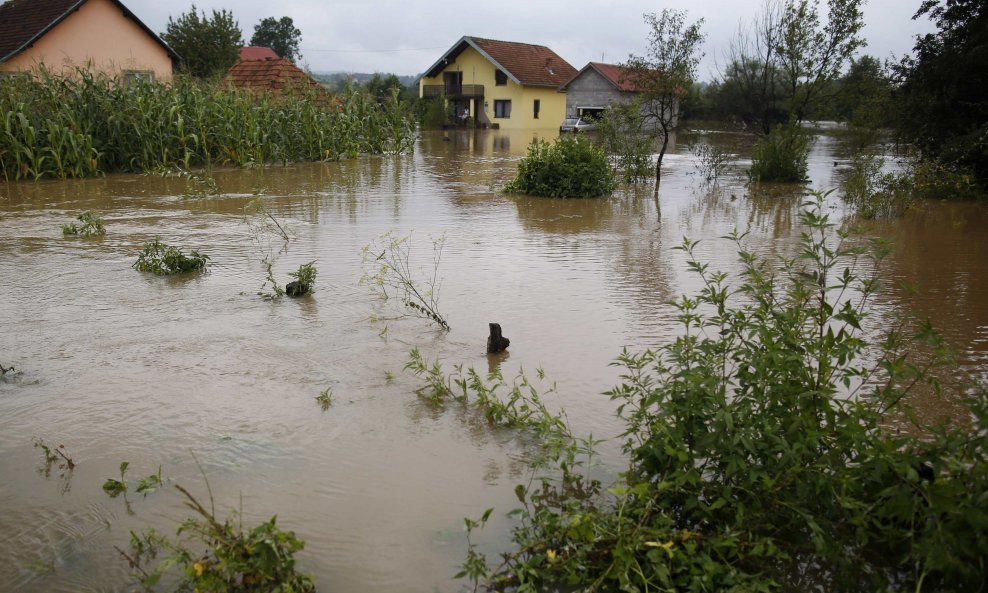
(760, 454)
(781, 156)
(874, 194)
(218, 556)
(570, 168)
(92, 226)
(161, 259)
(305, 278)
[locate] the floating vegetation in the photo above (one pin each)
(325, 398)
(160, 259)
(56, 456)
(200, 186)
(91, 225)
(114, 487)
(89, 124)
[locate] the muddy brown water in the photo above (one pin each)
(117, 365)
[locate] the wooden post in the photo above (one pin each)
(496, 342)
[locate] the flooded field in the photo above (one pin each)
(118, 365)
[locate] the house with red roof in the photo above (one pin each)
(62, 35)
(505, 84)
(596, 86)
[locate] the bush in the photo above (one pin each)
(760, 453)
(92, 226)
(874, 194)
(570, 168)
(218, 557)
(781, 156)
(161, 259)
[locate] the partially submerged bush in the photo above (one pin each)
(570, 168)
(161, 259)
(305, 278)
(782, 155)
(759, 451)
(91, 226)
(209, 555)
(874, 193)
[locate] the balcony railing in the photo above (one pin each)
(454, 91)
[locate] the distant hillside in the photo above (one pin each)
(336, 80)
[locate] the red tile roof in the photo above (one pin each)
(526, 64)
(24, 21)
(620, 76)
(258, 53)
(534, 65)
(279, 76)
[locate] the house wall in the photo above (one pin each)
(97, 34)
(590, 89)
(477, 69)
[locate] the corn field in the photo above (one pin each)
(89, 124)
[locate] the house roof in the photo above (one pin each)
(254, 52)
(276, 76)
(619, 76)
(22, 22)
(524, 63)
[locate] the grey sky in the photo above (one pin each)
(407, 36)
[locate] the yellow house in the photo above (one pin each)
(102, 35)
(500, 83)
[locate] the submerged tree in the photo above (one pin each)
(281, 35)
(665, 72)
(208, 46)
(784, 65)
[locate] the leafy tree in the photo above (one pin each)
(208, 46)
(665, 72)
(785, 64)
(942, 104)
(381, 86)
(280, 35)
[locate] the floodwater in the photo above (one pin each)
(118, 365)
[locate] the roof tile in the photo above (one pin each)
(534, 65)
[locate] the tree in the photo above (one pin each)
(665, 73)
(381, 86)
(280, 35)
(941, 99)
(208, 46)
(785, 64)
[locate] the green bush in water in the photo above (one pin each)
(92, 226)
(781, 156)
(572, 167)
(160, 259)
(763, 450)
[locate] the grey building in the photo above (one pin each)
(597, 86)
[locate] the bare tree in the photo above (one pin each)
(665, 73)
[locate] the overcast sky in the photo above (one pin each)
(407, 36)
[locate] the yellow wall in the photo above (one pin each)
(97, 34)
(477, 69)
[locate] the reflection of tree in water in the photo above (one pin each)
(565, 216)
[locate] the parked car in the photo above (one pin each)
(577, 125)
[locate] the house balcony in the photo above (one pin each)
(451, 91)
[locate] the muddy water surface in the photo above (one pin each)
(123, 366)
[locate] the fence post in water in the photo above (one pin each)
(496, 342)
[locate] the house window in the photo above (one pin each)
(132, 76)
(500, 78)
(538, 105)
(502, 109)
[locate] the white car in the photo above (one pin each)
(577, 125)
